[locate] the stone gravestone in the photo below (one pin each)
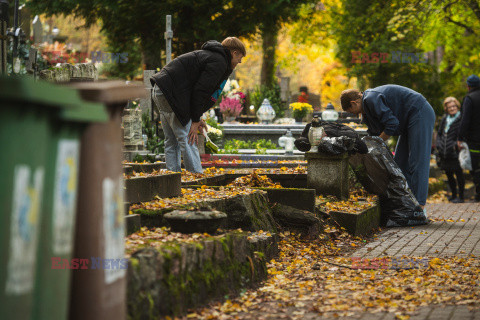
(146, 104)
(285, 88)
(328, 174)
(37, 30)
(81, 72)
(132, 130)
(31, 65)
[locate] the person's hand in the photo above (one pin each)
(384, 136)
(193, 134)
(203, 125)
(459, 145)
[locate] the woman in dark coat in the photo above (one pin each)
(447, 156)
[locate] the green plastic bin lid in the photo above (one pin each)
(43, 94)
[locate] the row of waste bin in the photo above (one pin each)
(61, 198)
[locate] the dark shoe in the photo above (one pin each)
(477, 198)
(458, 200)
(452, 197)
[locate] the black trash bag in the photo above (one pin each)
(379, 174)
(336, 145)
(303, 144)
(332, 129)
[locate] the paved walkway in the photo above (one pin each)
(455, 231)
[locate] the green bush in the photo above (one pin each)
(155, 144)
(260, 146)
(272, 94)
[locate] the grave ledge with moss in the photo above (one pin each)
(176, 276)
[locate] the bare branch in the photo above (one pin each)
(473, 4)
(470, 30)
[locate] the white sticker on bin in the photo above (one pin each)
(24, 226)
(65, 196)
(113, 227)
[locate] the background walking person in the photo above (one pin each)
(447, 149)
(470, 128)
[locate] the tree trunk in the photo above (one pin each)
(269, 44)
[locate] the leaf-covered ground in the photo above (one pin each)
(311, 279)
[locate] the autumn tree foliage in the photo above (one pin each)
(132, 24)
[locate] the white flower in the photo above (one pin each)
(233, 95)
(231, 86)
(214, 131)
(227, 87)
(234, 84)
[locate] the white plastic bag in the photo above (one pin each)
(464, 157)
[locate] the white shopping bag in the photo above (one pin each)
(464, 157)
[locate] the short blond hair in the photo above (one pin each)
(233, 43)
(348, 96)
(450, 99)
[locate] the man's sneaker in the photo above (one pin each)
(458, 200)
(477, 198)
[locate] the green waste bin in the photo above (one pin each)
(31, 128)
(24, 131)
(55, 262)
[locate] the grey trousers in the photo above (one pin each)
(176, 138)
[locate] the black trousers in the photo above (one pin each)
(476, 170)
(452, 182)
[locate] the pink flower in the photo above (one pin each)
(231, 107)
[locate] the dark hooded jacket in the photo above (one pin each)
(470, 124)
(388, 108)
(193, 81)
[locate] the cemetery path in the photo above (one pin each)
(422, 273)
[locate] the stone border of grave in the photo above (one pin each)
(218, 180)
(146, 167)
(286, 180)
(357, 224)
(303, 199)
(81, 72)
(249, 165)
(299, 198)
(248, 157)
(246, 211)
(177, 276)
(141, 189)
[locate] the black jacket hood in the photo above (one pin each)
(215, 46)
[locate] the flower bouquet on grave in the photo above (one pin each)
(230, 108)
(300, 109)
